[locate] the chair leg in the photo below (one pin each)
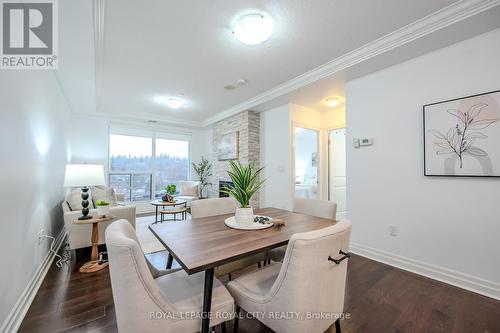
(236, 319)
(258, 265)
(223, 327)
(337, 326)
(229, 276)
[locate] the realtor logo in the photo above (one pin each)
(29, 37)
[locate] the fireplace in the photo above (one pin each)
(224, 183)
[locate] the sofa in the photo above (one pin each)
(79, 235)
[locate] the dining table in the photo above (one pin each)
(201, 244)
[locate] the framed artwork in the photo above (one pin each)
(227, 146)
(462, 136)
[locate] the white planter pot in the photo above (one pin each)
(244, 216)
(103, 210)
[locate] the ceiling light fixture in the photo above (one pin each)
(253, 29)
(333, 101)
(173, 102)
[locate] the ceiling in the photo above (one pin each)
(185, 48)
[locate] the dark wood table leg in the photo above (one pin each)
(156, 214)
(170, 259)
(207, 300)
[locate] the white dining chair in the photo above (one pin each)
(223, 206)
(165, 303)
(310, 282)
(213, 207)
(320, 208)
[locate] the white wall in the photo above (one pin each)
(33, 147)
(276, 149)
(449, 227)
(275, 154)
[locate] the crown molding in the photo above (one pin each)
(99, 10)
(160, 120)
(438, 20)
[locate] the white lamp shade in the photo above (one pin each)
(79, 175)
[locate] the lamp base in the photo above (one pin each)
(86, 217)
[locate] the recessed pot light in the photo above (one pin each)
(172, 102)
(253, 29)
(333, 101)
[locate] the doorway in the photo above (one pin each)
(337, 176)
(306, 162)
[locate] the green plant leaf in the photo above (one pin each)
(245, 179)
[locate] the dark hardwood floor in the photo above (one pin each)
(379, 298)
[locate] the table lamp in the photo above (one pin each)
(84, 175)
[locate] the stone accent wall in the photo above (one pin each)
(247, 123)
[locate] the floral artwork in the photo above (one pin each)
(462, 136)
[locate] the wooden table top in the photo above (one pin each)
(203, 243)
(95, 219)
(159, 202)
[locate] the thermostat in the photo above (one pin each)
(362, 142)
(366, 142)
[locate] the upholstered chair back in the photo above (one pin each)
(308, 281)
(213, 207)
(315, 207)
(135, 293)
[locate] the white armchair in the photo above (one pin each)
(314, 207)
(308, 281)
(188, 190)
(148, 303)
(79, 235)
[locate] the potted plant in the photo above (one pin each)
(170, 191)
(102, 208)
(245, 184)
(204, 171)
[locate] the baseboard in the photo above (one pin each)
(16, 316)
(458, 279)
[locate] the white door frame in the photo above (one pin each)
(319, 157)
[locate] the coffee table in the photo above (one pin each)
(160, 203)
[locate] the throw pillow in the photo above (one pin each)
(104, 193)
(189, 189)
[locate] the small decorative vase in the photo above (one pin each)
(244, 216)
(103, 211)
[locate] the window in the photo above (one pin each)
(134, 172)
(172, 163)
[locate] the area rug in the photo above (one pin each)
(149, 243)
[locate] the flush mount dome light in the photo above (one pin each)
(253, 29)
(333, 101)
(173, 102)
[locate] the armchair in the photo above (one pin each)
(79, 235)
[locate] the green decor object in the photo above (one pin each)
(204, 171)
(170, 189)
(102, 208)
(245, 180)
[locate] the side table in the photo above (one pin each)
(93, 265)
